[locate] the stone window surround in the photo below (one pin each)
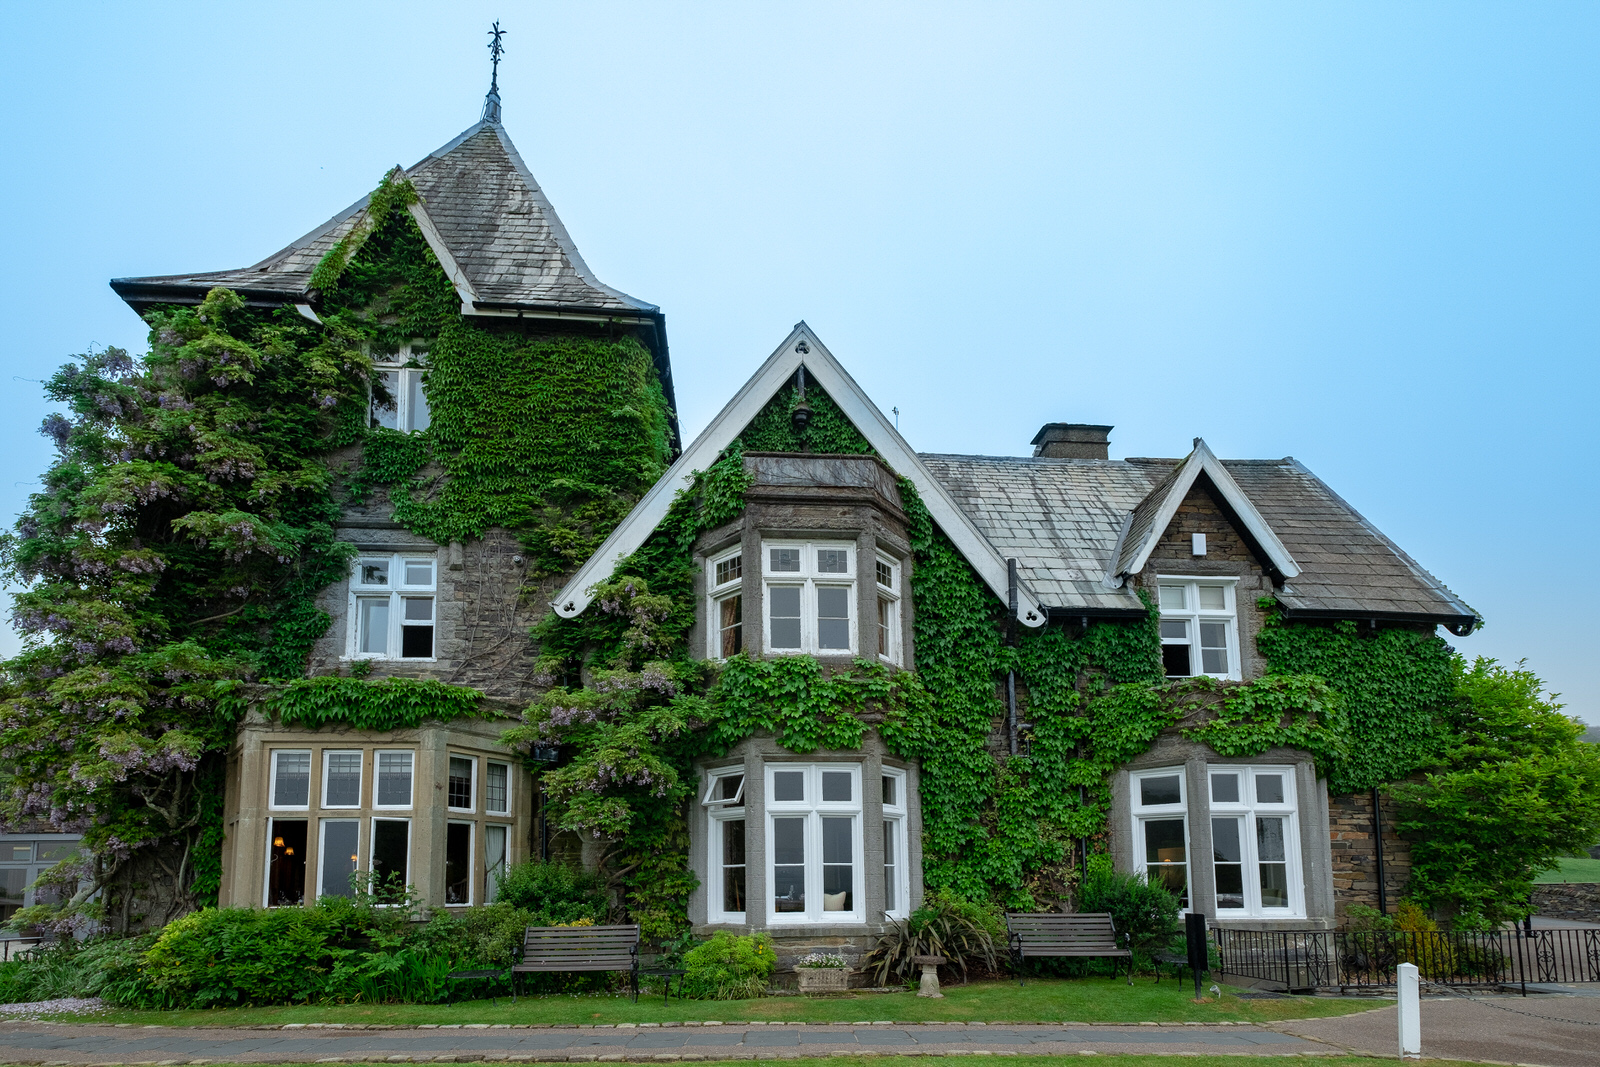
(756, 753)
(1197, 760)
(869, 545)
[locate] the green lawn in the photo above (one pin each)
(1041, 1000)
(1572, 869)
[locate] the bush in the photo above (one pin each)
(1146, 912)
(229, 956)
(553, 893)
(964, 933)
(729, 967)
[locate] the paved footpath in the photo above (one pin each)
(63, 1044)
(1556, 1031)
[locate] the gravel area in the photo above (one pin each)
(63, 1006)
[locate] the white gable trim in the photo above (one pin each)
(1197, 461)
(826, 371)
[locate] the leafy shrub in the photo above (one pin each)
(964, 933)
(1145, 911)
(103, 967)
(553, 893)
(228, 956)
(729, 967)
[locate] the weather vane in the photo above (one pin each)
(491, 103)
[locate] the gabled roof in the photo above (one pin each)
(801, 347)
(486, 215)
(1155, 511)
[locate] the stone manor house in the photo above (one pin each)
(818, 562)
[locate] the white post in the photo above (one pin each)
(1410, 1012)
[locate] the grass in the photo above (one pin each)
(1571, 869)
(1087, 1000)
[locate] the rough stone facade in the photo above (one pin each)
(1578, 901)
(1355, 860)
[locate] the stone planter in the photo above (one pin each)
(823, 979)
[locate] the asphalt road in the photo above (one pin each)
(1555, 1031)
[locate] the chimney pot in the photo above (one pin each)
(1072, 440)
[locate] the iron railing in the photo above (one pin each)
(1323, 959)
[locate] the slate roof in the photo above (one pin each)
(1062, 520)
(489, 213)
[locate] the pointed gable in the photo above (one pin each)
(800, 348)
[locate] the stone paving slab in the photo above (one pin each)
(87, 1044)
(1548, 1031)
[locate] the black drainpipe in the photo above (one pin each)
(1377, 842)
(1011, 640)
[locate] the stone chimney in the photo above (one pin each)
(1072, 440)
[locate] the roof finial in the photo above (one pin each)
(491, 103)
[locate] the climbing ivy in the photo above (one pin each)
(828, 431)
(380, 704)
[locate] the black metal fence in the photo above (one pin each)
(1324, 959)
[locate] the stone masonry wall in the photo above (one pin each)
(1568, 900)
(1355, 878)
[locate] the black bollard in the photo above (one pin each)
(1194, 930)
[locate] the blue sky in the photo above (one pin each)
(1360, 234)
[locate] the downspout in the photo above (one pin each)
(1011, 641)
(1377, 843)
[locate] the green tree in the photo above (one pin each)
(1517, 789)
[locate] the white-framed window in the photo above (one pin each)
(896, 869)
(1199, 629)
(810, 592)
(458, 878)
(496, 859)
(341, 778)
(1255, 842)
(461, 784)
(338, 856)
(814, 843)
(497, 788)
(725, 605)
(291, 780)
(403, 375)
(389, 858)
(392, 778)
(725, 845)
(1161, 829)
(392, 605)
(286, 863)
(886, 582)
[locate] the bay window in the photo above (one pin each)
(1199, 632)
(814, 846)
(1161, 833)
(1254, 841)
(392, 606)
(809, 588)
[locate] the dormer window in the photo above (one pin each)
(402, 375)
(725, 631)
(810, 592)
(1199, 634)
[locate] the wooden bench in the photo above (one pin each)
(1039, 935)
(579, 948)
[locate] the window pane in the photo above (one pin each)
(836, 839)
(833, 561)
(728, 787)
(339, 852)
(789, 840)
(1214, 647)
(1269, 789)
(889, 877)
(889, 783)
(788, 871)
(1230, 885)
(458, 863)
(1174, 630)
(1163, 841)
(391, 847)
(394, 779)
(494, 858)
(1175, 876)
(1175, 661)
(1163, 790)
(885, 575)
(460, 785)
(291, 786)
(13, 884)
(419, 572)
(20, 853)
(733, 866)
(343, 788)
(1269, 839)
(1274, 885)
(836, 787)
(416, 642)
(419, 402)
(1224, 789)
(374, 572)
(1225, 844)
(286, 865)
(387, 414)
(785, 560)
(1213, 598)
(788, 785)
(833, 617)
(496, 790)
(729, 569)
(51, 851)
(730, 615)
(783, 609)
(1174, 597)
(372, 620)
(838, 872)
